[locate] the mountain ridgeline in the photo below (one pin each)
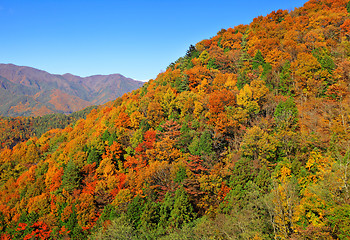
(26, 91)
(244, 137)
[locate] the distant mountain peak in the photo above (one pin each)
(71, 92)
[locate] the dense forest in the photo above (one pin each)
(244, 137)
(18, 129)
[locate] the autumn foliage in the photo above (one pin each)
(246, 136)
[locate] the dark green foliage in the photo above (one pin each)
(105, 136)
(10, 170)
(58, 120)
(211, 64)
(182, 211)
(185, 62)
(286, 82)
(219, 42)
(286, 115)
(119, 228)
(340, 221)
(258, 60)
(186, 136)
(72, 225)
(82, 113)
(109, 213)
(266, 70)
(135, 209)
(94, 156)
(21, 129)
(263, 179)
(150, 216)
(41, 169)
(201, 146)
(324, 58)
(112, 138)
(241, 175)
(2, 223)
(71, 177)
(192, 52)
(180, 175)
(181, 84)
(28, 218)
(348, 7)
(205, 143)
(171, 65)
(165, 210)
(51, 121)
(242, 80)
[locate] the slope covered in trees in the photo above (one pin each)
(19, 129)
(246, 136)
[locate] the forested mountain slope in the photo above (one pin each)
(26, 91)
(18, 129)
(245, 137)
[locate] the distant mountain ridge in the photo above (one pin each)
(28, 91)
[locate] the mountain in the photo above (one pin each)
(244, 137)
(28, 91)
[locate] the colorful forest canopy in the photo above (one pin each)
(246, 136)
(18, 129)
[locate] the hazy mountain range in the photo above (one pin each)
(28, 91)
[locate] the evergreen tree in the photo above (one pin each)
(150, 216)
(192, 52)
(285, 79)
(258, 60)
(165, 210)
(134, 212)
(182, 212)
(94, 156)
(71, 177)
(286, 114)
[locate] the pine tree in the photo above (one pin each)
(71, 177)
(182, 212)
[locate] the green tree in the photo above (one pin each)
(241, 174)
(259, 146)
(324, 58)
(201, 146)
(340, 221)
(212, 64)
(286, 115)
(192, 52)
(286, 81)
(150, 216)
(118, 229)
(258, 60)
(134, 212)
(165, 210)
(182, 212)
(94, 156)
(71, 177)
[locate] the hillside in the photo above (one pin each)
(19, 129)
(26, 91)
(244, 137)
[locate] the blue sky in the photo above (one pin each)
(136, 38)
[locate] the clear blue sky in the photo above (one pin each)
(136, 38)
